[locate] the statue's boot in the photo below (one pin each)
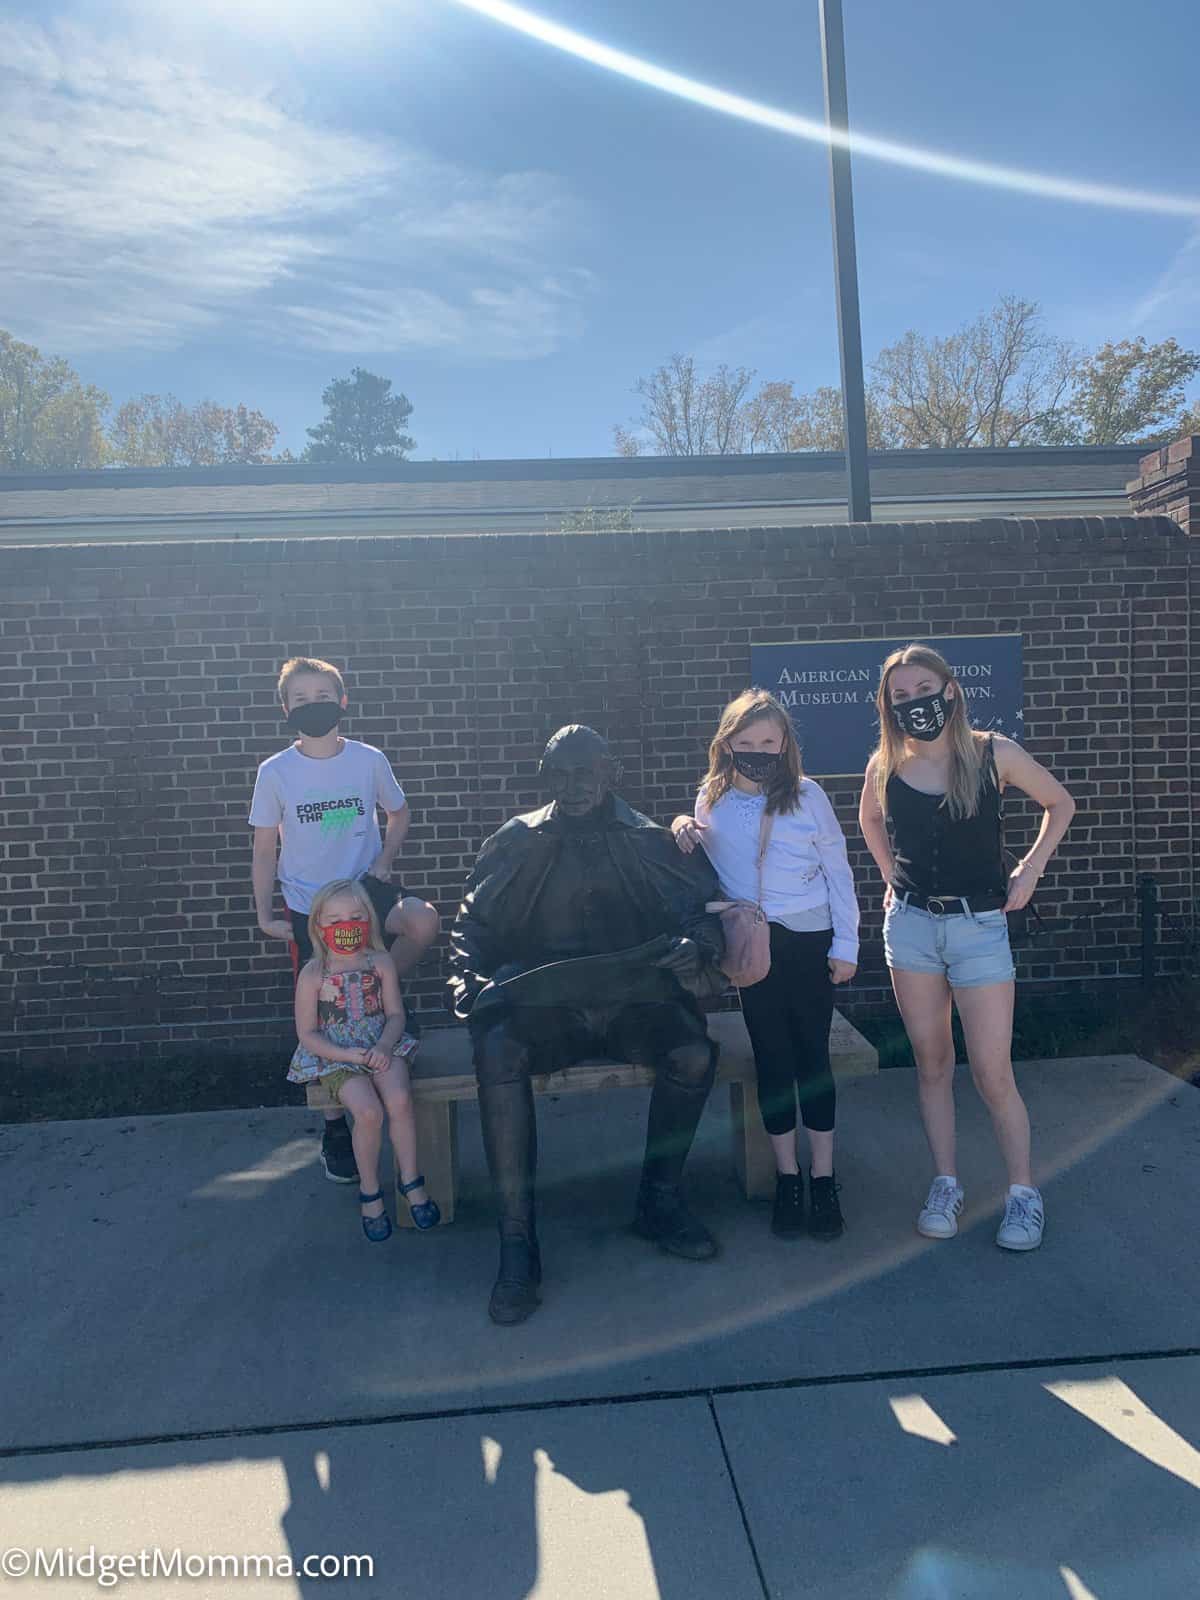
(510, 1140)
(515, 1294)
(662, 1215)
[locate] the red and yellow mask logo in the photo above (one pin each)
(344, 938)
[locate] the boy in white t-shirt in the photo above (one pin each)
(314, 815)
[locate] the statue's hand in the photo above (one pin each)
(683, 959)
(465, 989)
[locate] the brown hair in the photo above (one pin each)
(966, 745)
(299, 664)
(322, 898)
(752, 705)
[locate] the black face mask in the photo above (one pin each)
(316, 719)
(760, 766)
(922, 719)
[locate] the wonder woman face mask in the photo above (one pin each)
(344, 938)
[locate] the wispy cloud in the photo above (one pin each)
(1172, 305)
(142, 203)
(518, 322)
(730, 345)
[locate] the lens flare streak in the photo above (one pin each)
(1044, 185)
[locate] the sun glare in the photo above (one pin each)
(936, 162)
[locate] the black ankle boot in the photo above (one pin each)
(515, 1294)
(824, 1212)
(663, 1217)
(787, 1214)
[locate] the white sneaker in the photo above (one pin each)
(939, 1214)
(1024, 1219)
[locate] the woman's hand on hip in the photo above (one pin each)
(1022, 881)
(841, 971)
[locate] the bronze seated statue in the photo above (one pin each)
(583, 932)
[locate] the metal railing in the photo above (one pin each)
(1152, 922)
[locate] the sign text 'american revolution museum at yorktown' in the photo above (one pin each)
(829, 690)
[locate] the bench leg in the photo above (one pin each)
(437, 1149)
(753, 1156)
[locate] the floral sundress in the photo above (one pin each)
(350, 1014)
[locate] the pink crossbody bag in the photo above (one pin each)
(747, 957)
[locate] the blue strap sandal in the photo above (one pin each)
(425, 1215)
(377, 1229)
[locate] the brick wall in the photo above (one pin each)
(140, 699)
(1169, 484)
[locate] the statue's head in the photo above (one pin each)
(578, 770)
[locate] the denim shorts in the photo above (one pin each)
(968, 949)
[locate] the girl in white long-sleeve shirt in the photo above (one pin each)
(808, 897)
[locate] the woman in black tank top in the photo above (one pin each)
(931, 813)
(936, 854)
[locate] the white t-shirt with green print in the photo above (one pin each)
(326, 814)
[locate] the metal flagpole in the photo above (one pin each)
(845, 261)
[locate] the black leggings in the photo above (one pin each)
(787, 1017)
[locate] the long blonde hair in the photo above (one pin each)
(966, 745)
(752, 705)
(324, 895)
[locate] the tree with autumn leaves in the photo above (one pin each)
(1001, 380)
(51, 421)
(159, 431)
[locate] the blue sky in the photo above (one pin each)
(245, 198)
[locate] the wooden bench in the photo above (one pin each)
(442, 1075)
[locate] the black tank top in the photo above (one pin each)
(937, 854)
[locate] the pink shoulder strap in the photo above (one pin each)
(764, 839)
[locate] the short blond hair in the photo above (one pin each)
(298, 664)
(321, 899)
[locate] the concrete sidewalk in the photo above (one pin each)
(173, 1278)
